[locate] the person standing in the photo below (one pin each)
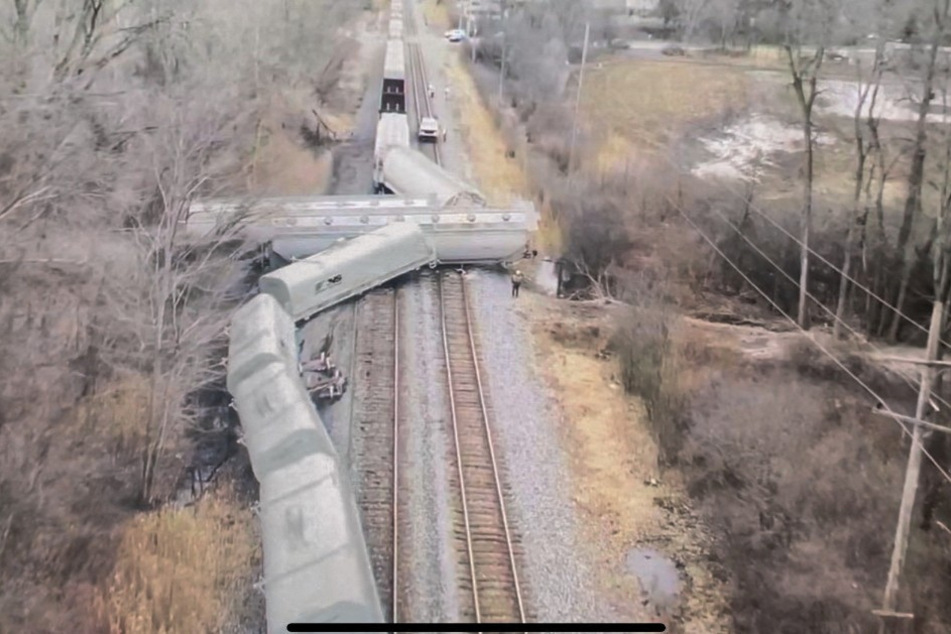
(446, 92)
(516, 282)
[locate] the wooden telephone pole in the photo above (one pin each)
(574, 124)
(912, 473)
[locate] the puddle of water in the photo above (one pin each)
(656, 573)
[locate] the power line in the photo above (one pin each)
(886, 409)
(749, 204)
(909, 382)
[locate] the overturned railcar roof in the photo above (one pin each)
(409, 172)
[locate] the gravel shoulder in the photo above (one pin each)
(559, 585)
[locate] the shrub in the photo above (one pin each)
(650, 365)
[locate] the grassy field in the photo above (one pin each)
(633, 108)
(642, 104)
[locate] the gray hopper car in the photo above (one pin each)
(409, 172)
(316, 564)
(348, 268)
(261, 334)
(299, 227)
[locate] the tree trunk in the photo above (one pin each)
(803, 317)
(915, 179)
(803, 75)
(862, 151)
(21, 25)
(853, 221)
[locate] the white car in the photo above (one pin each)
(455, 35)
(428, 129)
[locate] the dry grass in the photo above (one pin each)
(549, 238)
(116, 412)
(280, 162)
(613, 457)
(646, 103)
(284, 166)
(763, 57)
(185, 570)
(500, 178)
(436, 15)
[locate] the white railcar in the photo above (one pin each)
(299, 227)
(316, 563)
(396, 27)
(348, 269)
(409, 172)
(391, 131)
(261, 334)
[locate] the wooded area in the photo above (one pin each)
(113, 116)
(862, 251)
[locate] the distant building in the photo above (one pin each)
(642, 7)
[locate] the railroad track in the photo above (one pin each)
(484, 533)
(417, 66)
(376, 410)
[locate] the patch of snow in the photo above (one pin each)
(743, 149)
(840, 97)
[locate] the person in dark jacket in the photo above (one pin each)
(516, 282)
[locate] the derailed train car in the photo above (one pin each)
(316, 564)
(299, 227)
(261, 334)
(409, 172)
(348, 269)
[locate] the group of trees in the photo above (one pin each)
(113, 116)
(748, 22)
(814, 250)
(885, 151)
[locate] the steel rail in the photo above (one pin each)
(495, 468)
(421, 91)
(396, 447)
(455, 434)
(471, 460)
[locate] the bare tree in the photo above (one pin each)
(168, 306)
(804, 69)
(863, 146)
(905, 246)
(112, 115)
(690, 14)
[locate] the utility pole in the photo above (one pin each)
(502, 9)
(502, 69)
(574, 124)
(912, 471)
